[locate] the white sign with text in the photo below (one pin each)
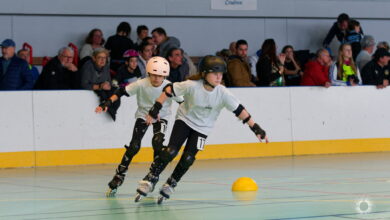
(234, 5)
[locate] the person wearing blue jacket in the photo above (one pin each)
(14, 71)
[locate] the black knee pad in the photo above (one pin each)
(157, 141)
(187, 160)
(133, 148)
(167, 154)
(121, 170)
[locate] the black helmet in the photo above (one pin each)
(210, 64)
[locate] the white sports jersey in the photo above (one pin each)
(146, 97)
(201, 108)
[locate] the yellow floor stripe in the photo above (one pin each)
(108, 156)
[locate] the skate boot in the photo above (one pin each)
(114, 184)
(166, 190)
(143, 189)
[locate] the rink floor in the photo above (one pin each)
(349, 186)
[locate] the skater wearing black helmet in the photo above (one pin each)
(204, 97)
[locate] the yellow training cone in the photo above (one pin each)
(244, 184)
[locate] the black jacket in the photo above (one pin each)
(117, 45)
(55, 76)
(123, 74)
(373, 74)
(265, 71)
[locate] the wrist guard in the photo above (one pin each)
(155, 110)
(121, 92)
(246, 119)
(106, 104)
(170, 95)
(258, 130)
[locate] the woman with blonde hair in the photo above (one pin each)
(344, 72)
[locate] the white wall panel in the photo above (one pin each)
(76, 7)
(65, 120)
(339, 113)
(277, 29)
(16, 122)
(378, 29)
(266, 8)
(198, 35)
(307, 34)
(269, 107)
(72, 123)
(6, 27)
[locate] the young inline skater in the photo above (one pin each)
(147, 91)
(204, 97)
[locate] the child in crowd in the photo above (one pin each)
(354, 36)
(129, 71)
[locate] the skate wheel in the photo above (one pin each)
(137, 197)
(160, 200)
(111, 192)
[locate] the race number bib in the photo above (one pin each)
(200, 144)
(163, 127)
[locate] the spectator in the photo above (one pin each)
(118, 44)
(365, 55)
(232, 48)
(354, 37)
(317, 71)
(14, 72)
(145, 53)
(25, 55)
(292, 70)
(163, 42)
(373, 72)
(339, 29)
(59, 72)
(253, 61)
(148, 40)
(344, 72)
(95, 73)
(224, 54)
(383, 44)
(270, 68)
(93, 41)
(179, 70)
(129, 72)
(142, 32)
(239, 72)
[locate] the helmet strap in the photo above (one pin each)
(206, 82)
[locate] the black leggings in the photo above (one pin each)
(139, 131)
(180, 133)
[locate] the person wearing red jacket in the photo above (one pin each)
(317, 71)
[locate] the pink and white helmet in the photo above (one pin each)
(158, 66)
(130, 53)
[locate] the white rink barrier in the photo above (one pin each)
(57, 121)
